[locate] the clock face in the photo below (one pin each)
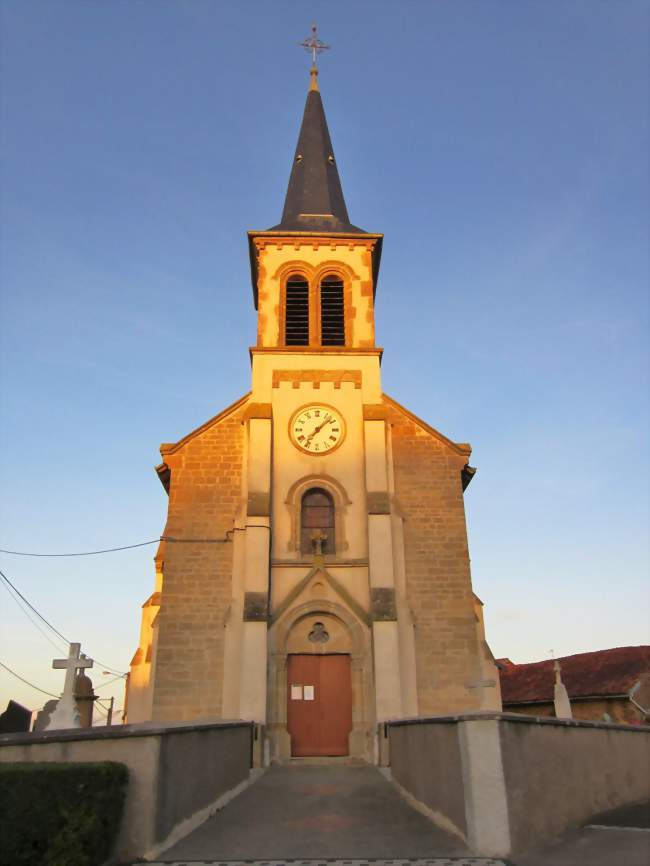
(317, 429)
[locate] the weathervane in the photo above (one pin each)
(314, 44)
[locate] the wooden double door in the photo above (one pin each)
(319, 711)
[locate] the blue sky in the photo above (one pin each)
(502, 149)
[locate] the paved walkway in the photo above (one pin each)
(350, 815)
(618, 838)
(594, 848)
(320, 813)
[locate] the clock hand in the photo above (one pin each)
(317, 430)
(311, 435)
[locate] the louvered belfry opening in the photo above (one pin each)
(296, 325)
(332, 312)
(316, 518)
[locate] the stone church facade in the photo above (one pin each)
(314, 572)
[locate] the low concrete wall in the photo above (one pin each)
(507, 783)
(177, 772)
(558, 776)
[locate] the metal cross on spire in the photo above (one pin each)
(314, 44)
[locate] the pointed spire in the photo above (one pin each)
(314, 201)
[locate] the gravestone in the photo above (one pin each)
(43, 716)
(84, 698)
(16, 719)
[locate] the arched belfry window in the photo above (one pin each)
(332, 312)
(317, 521)
(296, 322)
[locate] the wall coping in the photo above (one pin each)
(116, 732)
(518, 718)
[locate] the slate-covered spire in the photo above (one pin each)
(314, 201)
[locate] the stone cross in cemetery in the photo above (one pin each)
(66, 714)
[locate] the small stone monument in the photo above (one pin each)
(66, 714)
(561, 696)
(16, 719)
(84, 697)
(43, 716)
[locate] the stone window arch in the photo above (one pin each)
(317, 519)
(340, 501)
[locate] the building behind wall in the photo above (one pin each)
(606, 685)
(314, 574)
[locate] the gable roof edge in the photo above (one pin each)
(172, 447)
(461, 448)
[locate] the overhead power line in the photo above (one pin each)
(102, 709)
(109, 682)
(82, 553)
(55, 630)
(224, 540)
(57, 646)
(27, 682)
(48, 624)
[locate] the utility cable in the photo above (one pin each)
(57, 647)
(102, 709)
(114, 680)
(55, 630)
(118, 674)
(48, 624)
(83, 553)
(27, 683)
(169, 538)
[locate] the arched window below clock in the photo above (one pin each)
(317, 522)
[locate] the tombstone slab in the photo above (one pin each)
(15, 719)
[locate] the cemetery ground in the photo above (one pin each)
(353, 815)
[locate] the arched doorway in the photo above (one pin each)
(323, 651)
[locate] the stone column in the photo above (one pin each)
(252, 702)
(388, 702)
(486, 800)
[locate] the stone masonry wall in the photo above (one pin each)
(438, 584)
(205, 496)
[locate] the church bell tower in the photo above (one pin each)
(313, 574)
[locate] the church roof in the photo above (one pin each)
(314, 200)
(596, 674)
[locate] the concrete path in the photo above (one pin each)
(319, 813)
(589, 847)
(618, 838)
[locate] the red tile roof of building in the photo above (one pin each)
(602, 673)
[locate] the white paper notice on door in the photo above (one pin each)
(296, 693)
(308, 693)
